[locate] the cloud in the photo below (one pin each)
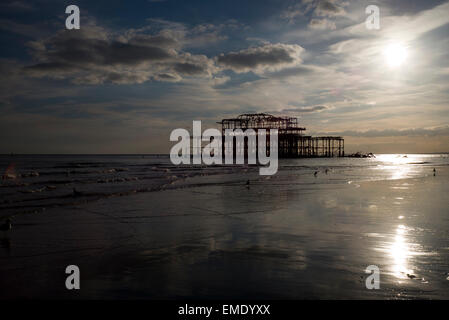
(314, 8)
(196, 36)
(207, 34)
(322, 24)
(328, 8)
(168, 77)
(92, 55)
(217, 81)
(157, 51)
(308, 109)
(269, 57)
(162, 40)
(297, 71)
(68, 50)
(191, 65)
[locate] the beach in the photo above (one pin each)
(207, 234)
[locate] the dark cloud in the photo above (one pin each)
(267, 57)
(50, 67)
(170, 77)
(160, 41)
(328, 8)
(290, 72)
(82, 49)
(189, 68)
(92, 55)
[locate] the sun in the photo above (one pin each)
(396, 54)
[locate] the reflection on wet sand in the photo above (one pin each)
(401, 253)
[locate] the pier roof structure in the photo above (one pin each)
(292, 142)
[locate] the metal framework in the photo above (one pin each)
(292, 142)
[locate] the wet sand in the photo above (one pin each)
(273, 240)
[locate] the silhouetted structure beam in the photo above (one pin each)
(292, 142)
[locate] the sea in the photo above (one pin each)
(31, 183)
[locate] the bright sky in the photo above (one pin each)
(137, 70)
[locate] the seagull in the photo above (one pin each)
(6, 226)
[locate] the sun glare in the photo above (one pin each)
(396, 55)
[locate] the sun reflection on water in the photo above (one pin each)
(394, 159)
(400, 252)
(399, 166)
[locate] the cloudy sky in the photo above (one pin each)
(136, 70)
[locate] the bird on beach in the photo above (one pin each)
(6, 226)
(316, 173)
